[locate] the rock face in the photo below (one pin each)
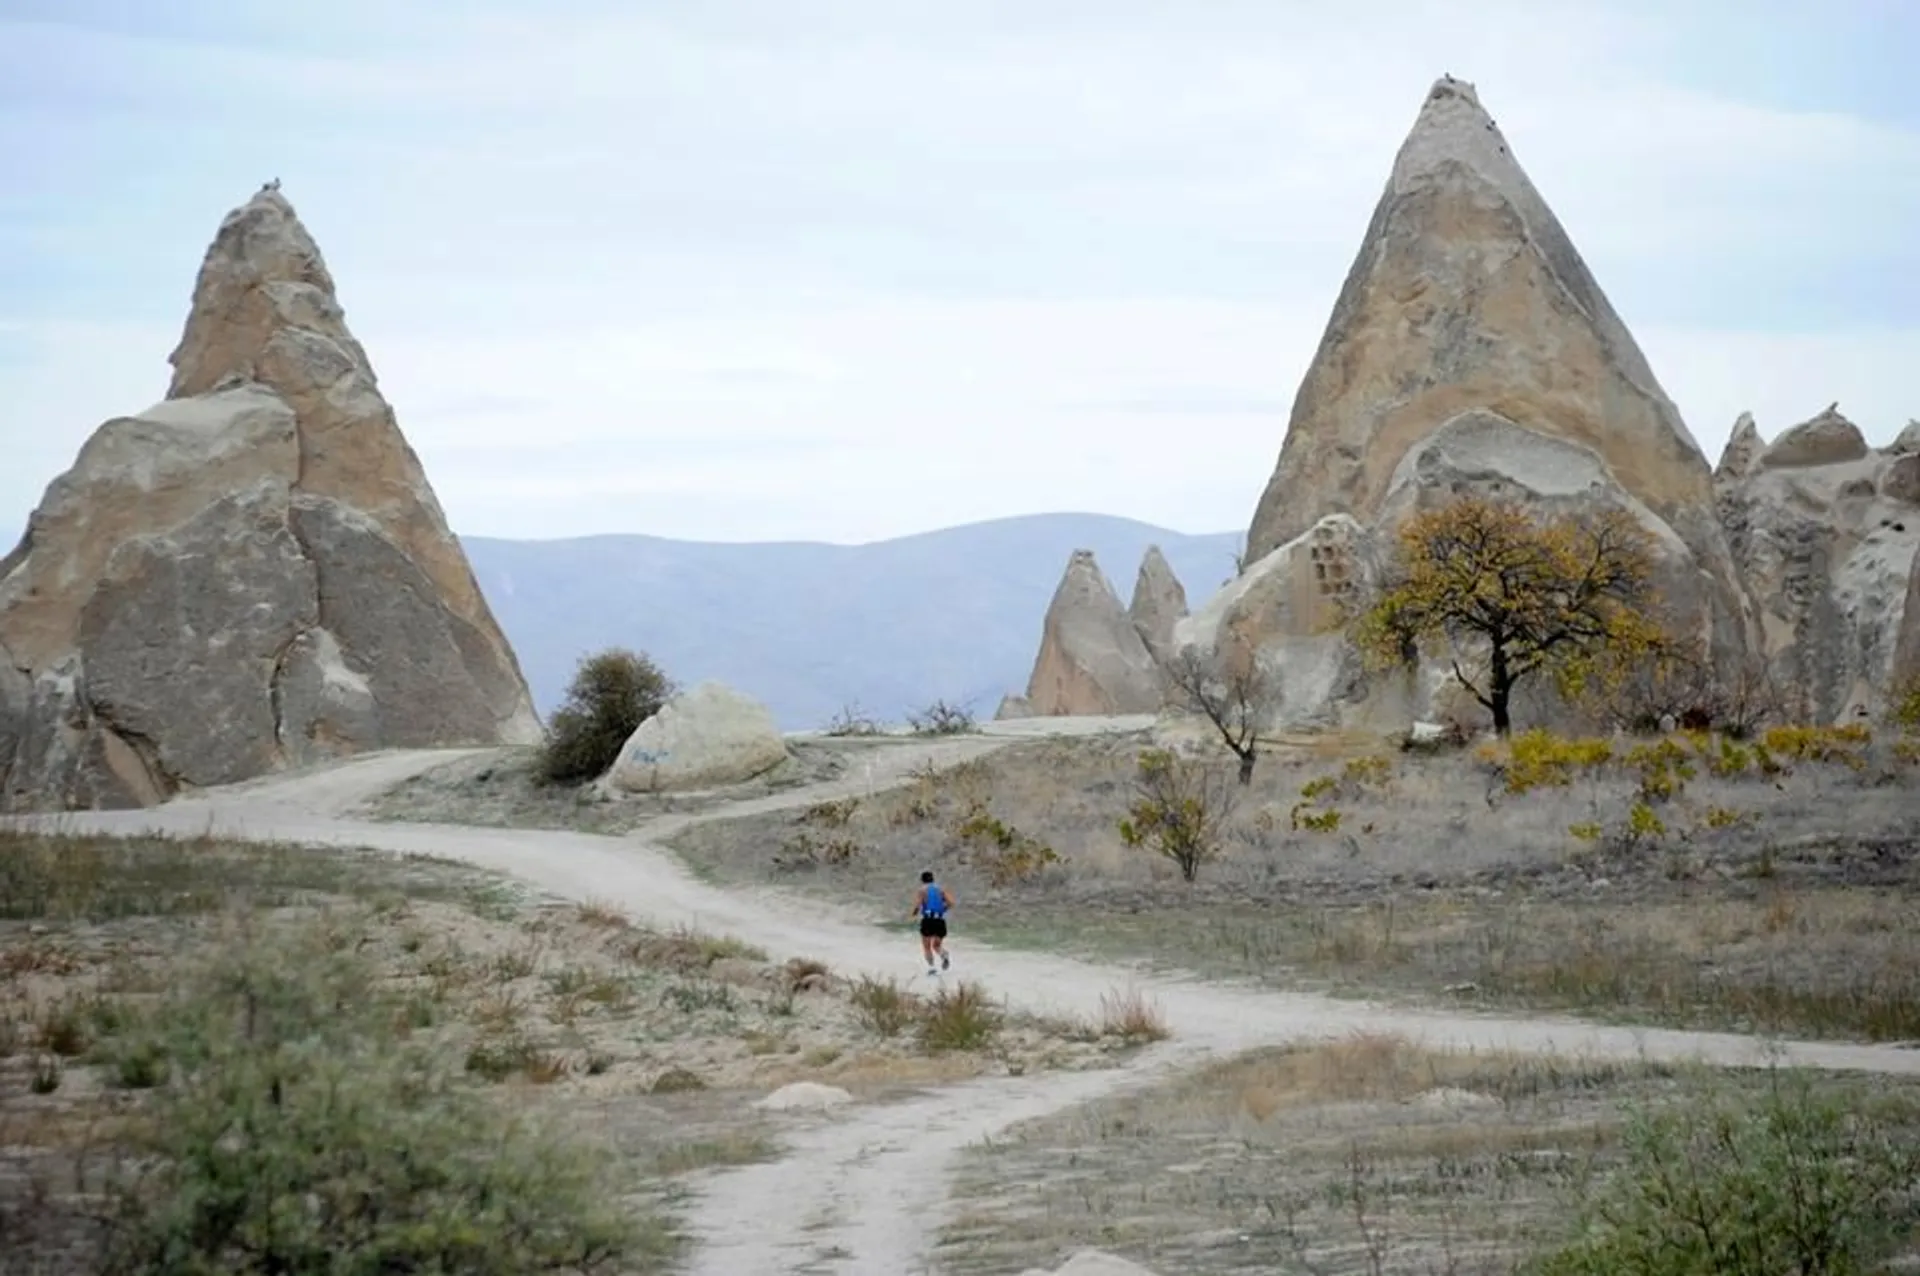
(1470, 350)
(251, 574)
(709, 736)
(1092, 660)
(1908, 440)
(1828, 439)
(1468, 296)
(1742, 452)
(1159, 602)
(1825, 532)
(1285, 615)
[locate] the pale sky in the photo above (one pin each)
(813, 269)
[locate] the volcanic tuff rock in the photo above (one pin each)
(1744, 446)
(710, 735)
(1825, 533)
(1092, 660)
(1467, 295)
(251, 574)
(1828, 439)
(1159, 602)
(1908, 440)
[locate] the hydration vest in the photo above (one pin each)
(936, 905)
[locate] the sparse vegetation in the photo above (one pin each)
(885, 1007)
(851, 720)
(1232, 699)
(1131, 1015)
(611, 694)
(290, 1086)
(959, 1017)
(1792, 1180)
(1178, 810)
(1483, 580)
(942, 718)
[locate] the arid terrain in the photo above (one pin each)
(1378, 1139)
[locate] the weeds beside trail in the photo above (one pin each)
(1371, 1155)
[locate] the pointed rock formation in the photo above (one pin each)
(1743, 450)
(1828, 439)
(251, 574)
(1159, 602)
(1468, 296)
(1825, 533)
(1092, 661)
(1905, 442)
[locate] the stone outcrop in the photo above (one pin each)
(1468, 295)
(1092, 661)
(1742, 452)
(1828, 439)
(703, 738)
(1159, 603)
(1906, 656)
(253, 573)
(1285, 615)
(1825, 532)
(1470, 350)
(1908, 440)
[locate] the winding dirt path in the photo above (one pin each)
(863, 1189)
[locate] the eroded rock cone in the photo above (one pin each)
(251, 574)
(1159, 603)
(1092, 661)
(1467, 296)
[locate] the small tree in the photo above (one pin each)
(1532, 595)
(612, 693)
(1232, 702)
(1179, 810)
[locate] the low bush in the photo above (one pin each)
(288, 1086)
(612, 693)
(959, 1018)
(884, 1006)
(1179, 810)
(1797, 1182)
(941, 718)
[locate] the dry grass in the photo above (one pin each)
(1369, 1155)
(1131, 1015)
(1774, 904)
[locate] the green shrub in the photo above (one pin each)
(1795, 1183)
(299, 1133)
(612, 693)
(1179, 810)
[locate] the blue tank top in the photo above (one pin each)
(936, 905)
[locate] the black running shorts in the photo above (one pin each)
(933, 927)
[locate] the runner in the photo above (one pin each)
(931, 908)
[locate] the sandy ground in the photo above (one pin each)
(866, 1187)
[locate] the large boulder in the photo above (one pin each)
(1092, 661)
(703, 738)
(1159, 602)
(1828, 439)
(1825, 534)
(1467, 295)
(1905, 442)
(253, 573)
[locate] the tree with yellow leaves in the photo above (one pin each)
(1529, 595)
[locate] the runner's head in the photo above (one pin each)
(927, 876)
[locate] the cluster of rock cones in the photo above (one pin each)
(255, 574)
(1472, 352)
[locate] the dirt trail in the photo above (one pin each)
(864, 1189)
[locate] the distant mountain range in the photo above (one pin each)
(812, 628)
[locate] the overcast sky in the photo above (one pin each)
(769, 269)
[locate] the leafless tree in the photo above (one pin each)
(1233, 700)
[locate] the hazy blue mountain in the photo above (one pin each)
(809, 628)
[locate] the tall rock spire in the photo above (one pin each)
(1467, 294)
(252, 574)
